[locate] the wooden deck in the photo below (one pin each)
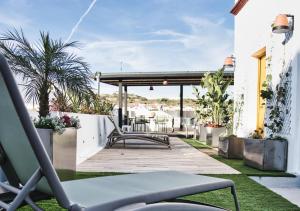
(144, 157)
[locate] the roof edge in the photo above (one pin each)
(238, 7)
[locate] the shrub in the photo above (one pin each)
(70, 121)
(47, 122)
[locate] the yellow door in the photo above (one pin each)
(261, 107)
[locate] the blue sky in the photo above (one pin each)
(145, 35)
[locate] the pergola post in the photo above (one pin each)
(120, 113)
(181, 107)
(125, 106)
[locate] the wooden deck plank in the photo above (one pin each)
(144, 157)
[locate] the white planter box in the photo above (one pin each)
(213, 134)
(61, 149)
(46, 136)
(64, 149)
(202, 133)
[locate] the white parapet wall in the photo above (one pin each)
(92, 136)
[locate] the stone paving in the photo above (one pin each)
(287, 187)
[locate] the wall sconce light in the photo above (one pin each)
(165, 82)
(151, 88)
(282, 24)
(229, 62)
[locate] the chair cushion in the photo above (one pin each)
(112, 192)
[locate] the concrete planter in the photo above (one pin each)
(231, 147)
(61, 149)
(213, 135)
(64, 153)
(266, 154)
(202, 133)
(46, 136)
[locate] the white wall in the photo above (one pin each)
(92, 136)
(253, 32)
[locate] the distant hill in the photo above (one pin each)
(136, 99)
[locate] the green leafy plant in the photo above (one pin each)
(214, 107)
(238, 110)
(276, 105)
(87, 103)
(45, 66)
(257, 134)
(47, 122)
(70, 121)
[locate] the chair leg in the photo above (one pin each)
(236, 202)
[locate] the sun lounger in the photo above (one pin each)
(118, 135)
(35, 173)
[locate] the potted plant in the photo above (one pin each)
(266, 154)
(59, 136)
(232, 146)
(46, 126)
(271, 152)
(214, 107)
(65, 146)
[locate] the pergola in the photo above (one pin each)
(126, 79)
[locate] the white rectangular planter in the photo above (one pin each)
(64, 149)
(61, 149)
(211, 134)
(46, 136)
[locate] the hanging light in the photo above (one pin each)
(165, 82)
(151, 88)
(282, 24)
(229, 62)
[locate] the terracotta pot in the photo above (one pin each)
(281, 20)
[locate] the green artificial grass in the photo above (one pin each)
(196, 144)
(237, 164)
(249, 171)
(252, 196)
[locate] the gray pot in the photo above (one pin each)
(46, 136)
(231, 147)
(266, 154)
(213, 135)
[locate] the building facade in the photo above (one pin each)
(262, 59)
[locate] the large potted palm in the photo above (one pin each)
(45, 67)
(214, 106)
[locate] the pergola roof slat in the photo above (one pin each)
(157, 78)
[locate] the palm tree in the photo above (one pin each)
(45, 67)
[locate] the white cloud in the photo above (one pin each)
(74, 29)
(204, 47)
